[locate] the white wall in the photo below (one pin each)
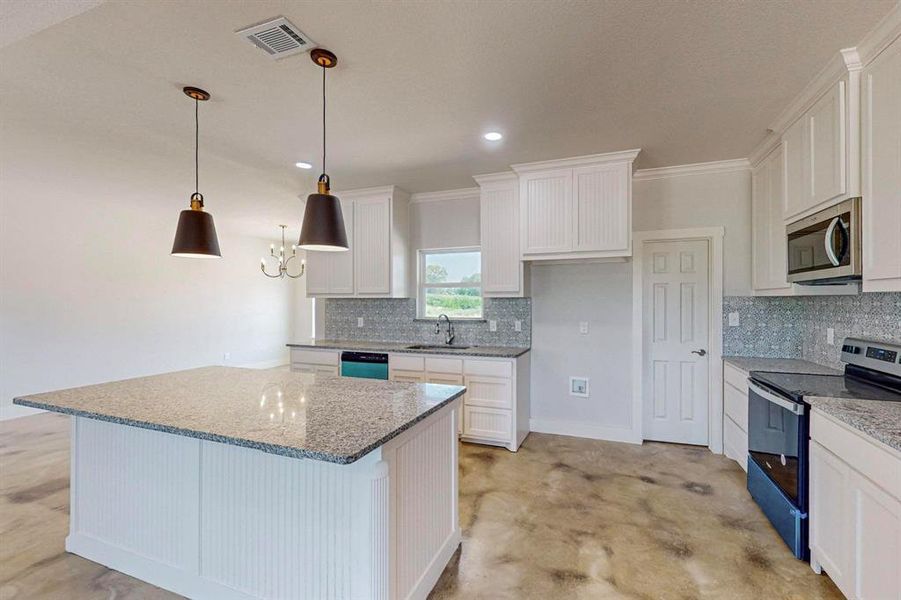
(88, 290)
(564, 295)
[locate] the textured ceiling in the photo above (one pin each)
(418, 82)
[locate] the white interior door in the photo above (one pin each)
(675, 363)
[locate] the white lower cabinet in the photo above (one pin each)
(855, 510)
(306, 360)
(735, 414)
(495, 409)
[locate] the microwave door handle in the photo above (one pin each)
(830, 251)
(794, 407)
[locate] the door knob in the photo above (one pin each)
(700, 352)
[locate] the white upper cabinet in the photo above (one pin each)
(502, 269)
(576, 208)
(331, 273)
(818, 145)
(376, 220)
(768, 227)
(881, 171)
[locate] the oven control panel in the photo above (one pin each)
(880, 356)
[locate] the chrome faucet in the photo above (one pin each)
(449, 334)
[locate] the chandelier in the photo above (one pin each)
(283, 260)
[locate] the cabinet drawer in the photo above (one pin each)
(314, 357)
(408, 376)
(487, 423)
(308, 368)
(444, 378)
(735, 377)
(879, 464)
(735, 405)
(443, 365)
(489, 368)
(406, 362)
(735, 443)
(491, 392)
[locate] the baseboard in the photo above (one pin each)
(584, 430)
(14, 411)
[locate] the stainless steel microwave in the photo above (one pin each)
(825, 247)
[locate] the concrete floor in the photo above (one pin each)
(562, 518)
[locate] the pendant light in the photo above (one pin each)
(195, 236)
(323, 222)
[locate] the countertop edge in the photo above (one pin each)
(288, 451)
(499, 352)
(832, 408)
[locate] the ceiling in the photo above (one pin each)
(417, 83)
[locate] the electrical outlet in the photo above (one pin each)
(734, 319)
(226, 356)
(492, 325)
(583, 327)
(359, 321)
(830, 336)
(578, 386)
(517, 325)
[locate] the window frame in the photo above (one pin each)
(422, 285)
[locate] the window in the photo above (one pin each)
(450, 282)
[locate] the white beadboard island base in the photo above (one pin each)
(210, 520)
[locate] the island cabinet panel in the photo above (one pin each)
(881, 177)
(211, 520)
(855, 510)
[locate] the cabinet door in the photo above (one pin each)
(501, 266)
(777, 263)
(826, 128)
(491, 392)
(341, 276)
(760, 224)
(602, 219)
(372, 245)
(317, 272)
(830, 517)
(449, 379)
(546, 203)
(797, 188)
(876, 538)
(881, 177)
(487, 423)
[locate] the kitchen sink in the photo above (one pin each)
(436, 347)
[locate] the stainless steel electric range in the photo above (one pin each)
(779, 429)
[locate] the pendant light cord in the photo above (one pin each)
(196, 146)
(323, 120)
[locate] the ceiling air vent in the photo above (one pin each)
(278, 38)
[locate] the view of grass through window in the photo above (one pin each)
(451, 284)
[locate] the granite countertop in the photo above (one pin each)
(779, 365)
(300, 415)
(879, 419)
(484, 351)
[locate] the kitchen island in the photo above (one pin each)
(237, 483)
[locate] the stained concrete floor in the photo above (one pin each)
(562, 518)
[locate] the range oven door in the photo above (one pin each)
(778, 430)
(825, 247)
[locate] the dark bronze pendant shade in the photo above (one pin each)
(195, 236)
(323, 222)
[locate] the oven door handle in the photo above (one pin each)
(794, 407)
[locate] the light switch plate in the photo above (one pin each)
(492, 325)
(578, 386)
(583, 327)
(830, 336)
(517, 325)
(359, 321)
(734, 320)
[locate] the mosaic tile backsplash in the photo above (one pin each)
(795, 327)
(392, 320)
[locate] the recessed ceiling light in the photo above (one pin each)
(493, 136)
(303, 165)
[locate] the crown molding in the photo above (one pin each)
(502, 177)
(767, 145)
(577, 161)
(707, 168)
(444, 195)
(382, 189)
(881, 36)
